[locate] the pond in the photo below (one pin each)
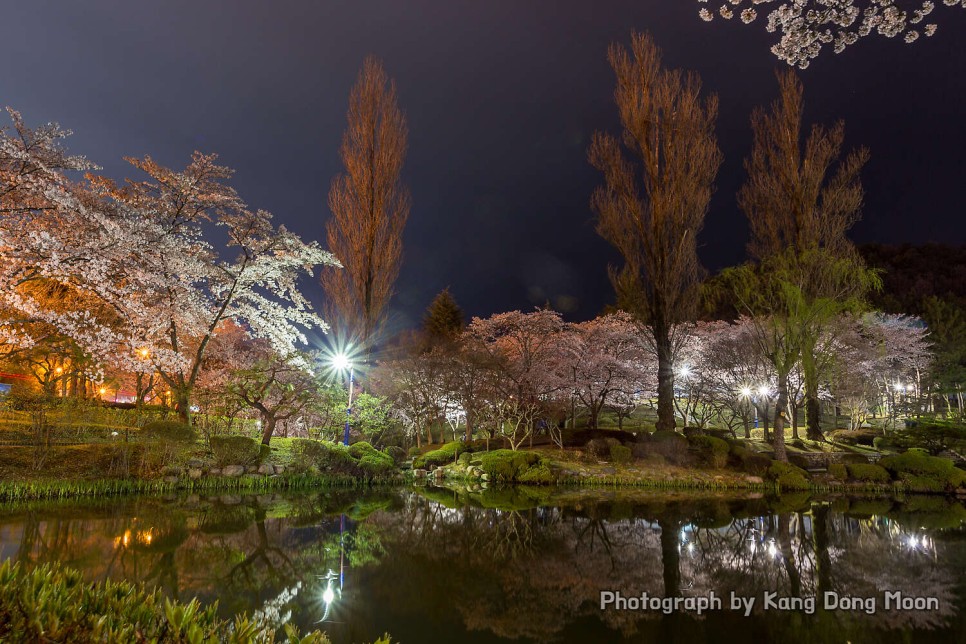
(532, 564)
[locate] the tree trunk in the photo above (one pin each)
(268, 428)
(747, 424)
(469, 425)
(665, 380)
(778, 438)
(182, 405)
(812, 418)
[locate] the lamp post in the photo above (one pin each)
(341, 362)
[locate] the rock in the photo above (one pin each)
(279, 469)
(171, 470)
(419, 473)
(754, 480)
(196, 463)
(485, 477)
(438, 474)
(266, 469)
(215, 471)
(194, 473)
(171, 479)
(608, 471)
(230, 499)
(251, 469)
(233, 470)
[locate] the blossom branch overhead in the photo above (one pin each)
(807, 27)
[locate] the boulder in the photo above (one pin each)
(754, 480)
(171, 479)
(215, 471)
(233, 470)
(419, 473)
(279, 469)
(251, 469)
(194, 473)
(196, 463)
(266, 469)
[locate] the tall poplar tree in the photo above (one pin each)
(370, 206)
(655, 196)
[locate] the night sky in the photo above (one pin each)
(502, 97)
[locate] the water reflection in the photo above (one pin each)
(525, 564)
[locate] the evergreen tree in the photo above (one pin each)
(443, 321)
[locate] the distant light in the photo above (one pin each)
(772, 550)
(102, 391)
(328, 595)
(899, 386)
(764, 390)
(684, 372)
(746, 392)
(340, 362)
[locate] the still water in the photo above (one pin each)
(431, 564)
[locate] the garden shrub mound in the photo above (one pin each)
(370, 458)
(838, 471)
(50, 603)
(445, 455)
(600, 448)
(235, 450)
(360, 460)
(868, 473)
(709, 451)
(620, 454)
(749, 461)
(507, 465)
(788, 476)
(920, 472)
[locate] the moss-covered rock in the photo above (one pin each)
(838, 471)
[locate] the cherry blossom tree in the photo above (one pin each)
(807, 27)
(606, 358)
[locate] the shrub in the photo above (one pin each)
(921, 472)
(709, 451)
(235, 450)
(600, 448)
(507, 465)
(51, 603)
(370, 458)
(868, 473)
(749, 461)
(788, 476)
(838, 471)
(933, 435)
(169, 430)
(539, 474)
(443, 456)
(671, 445)
(620, 454)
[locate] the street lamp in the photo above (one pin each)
(341, 362)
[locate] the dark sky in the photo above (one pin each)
(502, 97)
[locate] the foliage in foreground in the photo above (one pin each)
(54, 604)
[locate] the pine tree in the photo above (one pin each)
(443, 321)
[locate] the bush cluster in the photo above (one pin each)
(360, 460)
(235, 450)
